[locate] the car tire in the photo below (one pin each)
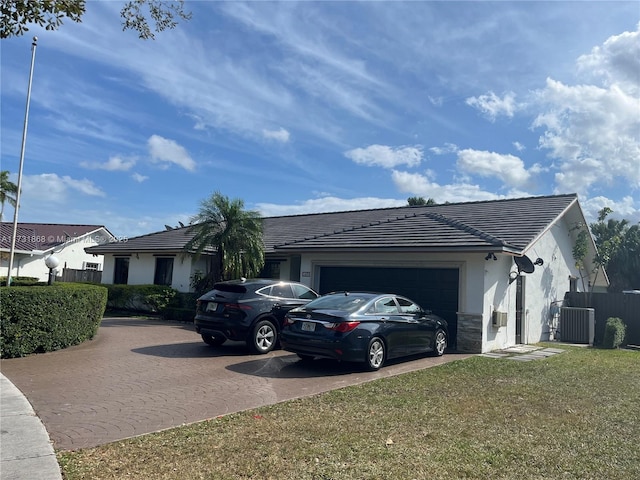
(305, 358)
(376, 354)
(213, 341)
(264, 337)
(439, 343)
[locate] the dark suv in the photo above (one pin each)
(248, 310)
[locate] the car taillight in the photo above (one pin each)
(237, 306)
(343, 327)
(289, 321)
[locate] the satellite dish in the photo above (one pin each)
(524, 264)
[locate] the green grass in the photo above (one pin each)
(571, 416)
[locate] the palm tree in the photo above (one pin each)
(234, 233)
(8, 191)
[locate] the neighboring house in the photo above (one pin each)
(495, 270)
(36, 241)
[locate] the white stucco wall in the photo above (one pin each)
(142, 267)
(550, 282)
(71, 255)
(542, 288)
(498, 296)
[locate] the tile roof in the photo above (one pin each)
(42, 236)
(510, 224)
(168, 241)
(500, 225)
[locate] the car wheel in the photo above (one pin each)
(263, 337)
(376, 354)
(213, 341)
(305, 358)
(439, 343)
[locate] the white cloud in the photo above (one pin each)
(165, 151)
(617, 61)
(112, 165)
(626, 208)
(139, 178)
(328, 204)
(416, 184)
(518, 146)
(594, 132)
(280, 135)
(493, 106)
(448, 148)
(508, 168)
(385, 156)
(51, 188)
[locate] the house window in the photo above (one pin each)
(270, 270)
(92, 266)
(121, 271)
(164, 271)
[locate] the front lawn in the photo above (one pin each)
(575, 415)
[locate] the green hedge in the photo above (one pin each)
(44, 318)
(152, 299)
(21, 281)
(139, 298)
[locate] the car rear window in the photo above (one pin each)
(349, 303)
(230, 287)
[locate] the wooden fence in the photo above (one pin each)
(84, 276)
(621, 305)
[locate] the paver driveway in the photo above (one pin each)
(139, 376)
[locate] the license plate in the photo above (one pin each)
(308, 327)
(212, 307)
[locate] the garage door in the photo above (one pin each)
(435, 289)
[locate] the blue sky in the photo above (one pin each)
(320, 106)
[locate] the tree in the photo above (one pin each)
(234, 233)
(8, 192)
(618, 246)
(420, 201)
(136, 15)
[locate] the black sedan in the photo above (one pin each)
(362, 327)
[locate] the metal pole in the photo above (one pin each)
(34, 44)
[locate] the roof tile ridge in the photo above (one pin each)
(467, 228)
(348, 229)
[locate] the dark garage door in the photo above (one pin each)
(436, 289)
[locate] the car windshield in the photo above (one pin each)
(349, 303)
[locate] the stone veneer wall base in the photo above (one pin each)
(469, 332)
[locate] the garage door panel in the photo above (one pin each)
(435, 289)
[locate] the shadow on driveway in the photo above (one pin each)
(197, 349)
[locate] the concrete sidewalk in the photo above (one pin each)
(25, 449)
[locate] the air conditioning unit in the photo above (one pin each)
(577, 325)
(499, 319)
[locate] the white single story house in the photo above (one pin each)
(36, 241)
(495, 270)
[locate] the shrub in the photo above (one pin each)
(21, 281)
(45, 318)
(614, 333)
(139, 298)
(182, 307)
